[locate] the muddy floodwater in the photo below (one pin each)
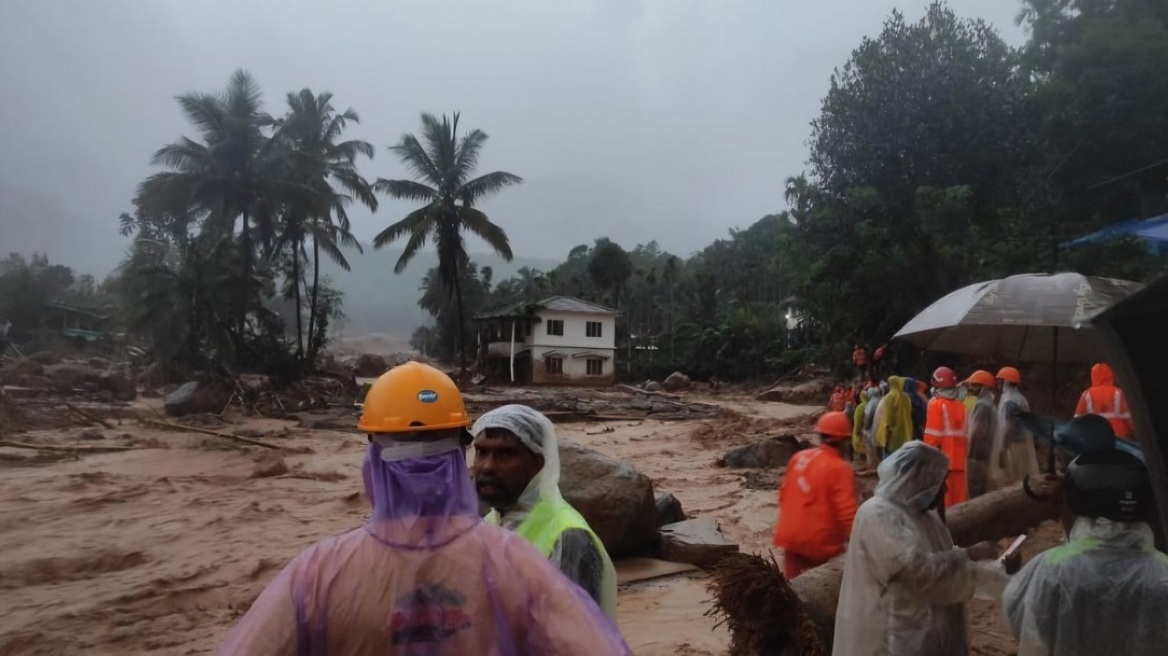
(160, 548)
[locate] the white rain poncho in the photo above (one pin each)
(1104, 592)
(543, 516)
(905, 585)
(868, 432)
(1013, 456)
(983, 431)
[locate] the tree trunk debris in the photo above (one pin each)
(203, 431)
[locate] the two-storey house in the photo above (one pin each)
(560, 340)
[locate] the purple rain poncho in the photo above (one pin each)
(425, 575)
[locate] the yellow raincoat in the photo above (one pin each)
(895, 427)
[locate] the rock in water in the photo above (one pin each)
(695, 541)
(615, 498)
(370, 365)
(813, 392)
(773, 395)
(123, 387)
(766, 454)
(652, 386)
(669, 510)
(194, 398)
(676, 382)
(69, 375)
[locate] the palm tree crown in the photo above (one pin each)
(442, 165)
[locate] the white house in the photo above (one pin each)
(560, 340)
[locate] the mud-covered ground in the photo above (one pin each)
(160, 548)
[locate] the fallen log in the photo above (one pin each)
(67, 449)
(204, 431)
(89, 416)
(1001, 514)
(636, 390)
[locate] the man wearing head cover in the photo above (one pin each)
(1013, 457)
(905, 585)
(894, 422)
(817, 500)
(1105, 590)
(517, 473)
(982, 427)
(424, 575)
(945, 429)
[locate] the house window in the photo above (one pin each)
(595, 367)
(594, 329)
(555, 327)
(554, 366)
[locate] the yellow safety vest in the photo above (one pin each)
(542, 528)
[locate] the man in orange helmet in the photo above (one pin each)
(945, 430)
(982, 427)
(424, 574)
(1014, 456)
(817, 500)
(1103, 398)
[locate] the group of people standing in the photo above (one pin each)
(905, 583)
(972, 421)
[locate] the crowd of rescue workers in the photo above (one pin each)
(428, 574)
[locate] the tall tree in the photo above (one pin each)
(319, 160)
(442, 164)
(228, 173)
(919, 161)
(609, 268)
(1102, 72)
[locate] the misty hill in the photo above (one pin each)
(377, 301)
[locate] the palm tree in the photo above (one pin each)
(327, 168)
(442, 169)
(228, 174)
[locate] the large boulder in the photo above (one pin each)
(13, 373)
(676, 382)
(153, 376)
(812, 392)
(45, 357)
(615, 498)
(68, 376)
(195, 398)
(122, 386)
(369, 365)
(696, 542)
(773, 395)
(765, 454)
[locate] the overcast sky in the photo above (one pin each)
(672, 120)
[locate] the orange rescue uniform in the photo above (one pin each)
(1103, 398)
(817, 503)
(945, 429)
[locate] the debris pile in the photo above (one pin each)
(567, 405)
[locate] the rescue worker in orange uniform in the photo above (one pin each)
(945, 429)
(817, 501)
(1103, 398)
(860, 359)
(838, 400)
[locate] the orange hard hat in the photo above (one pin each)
(981, 377)
(413, 397)
(834, 425)
(944, 378)
(1010, 375)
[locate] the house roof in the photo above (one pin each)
(554, 303)
(573, 304)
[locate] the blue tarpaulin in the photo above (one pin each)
(1153, 232)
